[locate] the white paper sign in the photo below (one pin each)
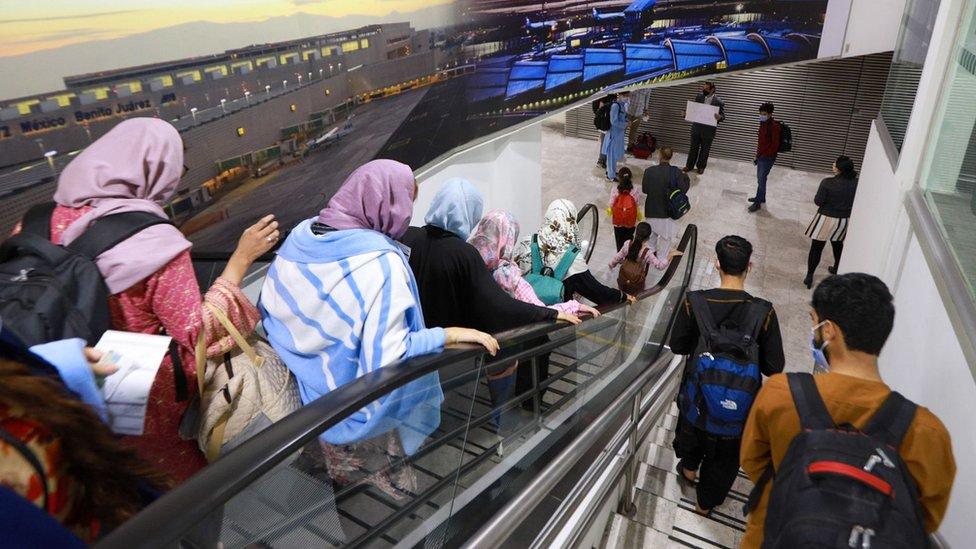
(701, 113)
(126, 392)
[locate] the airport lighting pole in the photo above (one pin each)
(193, 113)
(247, 97)
(267, 89)
(40, 144)
(299, 80)
(320, 72)
(223, 109)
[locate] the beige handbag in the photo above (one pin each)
(241, 395)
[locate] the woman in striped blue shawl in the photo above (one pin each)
(340, 301)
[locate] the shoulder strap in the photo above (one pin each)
(892, 420)
(703, 316)
(809, 405)
(758, 311)
(536, 255)
(29, 456)
(37, 220)
(111, 230)
(569, 256)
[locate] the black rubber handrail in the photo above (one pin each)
(179, 511)
(591, 210)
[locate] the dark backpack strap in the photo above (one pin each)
(28, 455)
(756, 494)
(756, 313)
(703, 316)
(179, 376)
(111, 230)
(892, 420)
(37, 220)
(809, 405)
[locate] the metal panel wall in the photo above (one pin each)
(829, 105)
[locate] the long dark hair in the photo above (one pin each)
(846, 167)
(107, 473)
(641, 234)
(626, 180)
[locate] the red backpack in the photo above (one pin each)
(624, 211)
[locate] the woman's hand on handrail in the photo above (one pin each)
(255, 242)
(453, 336)
(586, 309)
(568, 317)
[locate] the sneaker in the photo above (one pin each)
(752, 199)
(756, 206)
(682, 479)
(832, 270)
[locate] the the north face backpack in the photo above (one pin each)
(678, 203)
(602, 118)
(722, 380)
(632, 276)
(50, 292)
(624, 211)
(841, 487)
(548, 283)
(785, 138)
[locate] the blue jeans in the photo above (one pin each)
(763, 166)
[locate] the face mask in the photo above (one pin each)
(820, 363)
(763, 117)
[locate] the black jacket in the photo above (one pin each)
(723, 303)
(836, 196)
(457, 289)
(655, 184)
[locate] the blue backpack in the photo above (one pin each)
(722, 380)
(548, 283)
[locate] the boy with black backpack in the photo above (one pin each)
(732, 339)
(840, 460)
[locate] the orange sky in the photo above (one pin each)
(31, 26)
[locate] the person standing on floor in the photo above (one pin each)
(624, 200)
(702, 135)
(852, 316)
(615, 143)
(767, 147)
(656, 184)
(835, 198)
(601, 121)
(710, 328)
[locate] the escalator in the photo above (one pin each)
(544, 465)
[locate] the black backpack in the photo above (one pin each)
(602, 119)
(785, 138)
(678, 203)
(50, 292)
(841, 487)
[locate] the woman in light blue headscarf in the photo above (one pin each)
(456, 288)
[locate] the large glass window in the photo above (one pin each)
(949, 175)
(906, 67)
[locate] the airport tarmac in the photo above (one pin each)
(301, 189)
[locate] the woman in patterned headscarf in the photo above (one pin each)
(559, 232)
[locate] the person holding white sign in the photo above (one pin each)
(702, 135)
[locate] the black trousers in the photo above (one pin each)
(816, 252)
(701, 143)
(622, 235)
(715, 458)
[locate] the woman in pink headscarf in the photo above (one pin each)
(340, 302)
(136, 167)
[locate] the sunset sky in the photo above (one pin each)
(31, 26)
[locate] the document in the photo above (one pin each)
(126, 392)
(701, 113)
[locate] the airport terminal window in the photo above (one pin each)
(949, 175)
(906, 67)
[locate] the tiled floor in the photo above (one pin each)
(719, 205)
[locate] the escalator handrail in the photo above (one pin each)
(590, 209)
(184, 507)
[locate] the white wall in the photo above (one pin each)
(507, 170)
(923, 361)
(872, 26)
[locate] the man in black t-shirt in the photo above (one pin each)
(716, 458)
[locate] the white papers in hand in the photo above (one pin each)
(126, 392)
(701, 113)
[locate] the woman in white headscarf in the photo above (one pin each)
(557, 235)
